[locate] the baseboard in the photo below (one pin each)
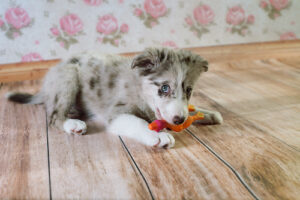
(224, 53)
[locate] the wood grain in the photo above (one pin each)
(268, 88)
(246, 91)
(282, 123)
(293, 62)
(25, 71)
(188, 171)
(93, 166)
(256, 88)
(276, 71)
(214, 54)
(23, 148)
(250, 51)
(269, 165)
(247, 51)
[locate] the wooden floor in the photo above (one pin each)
(255, 154)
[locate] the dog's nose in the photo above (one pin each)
(178, 120)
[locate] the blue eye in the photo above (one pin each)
(165, 89)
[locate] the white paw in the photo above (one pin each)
(217, 118)
(166, 140)
(8, 94)
(75, 126)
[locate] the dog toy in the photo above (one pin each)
(158, 125)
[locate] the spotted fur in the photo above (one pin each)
(120, 92)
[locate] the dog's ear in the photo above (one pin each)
(193, 60)
(148, 61)
(153, 57)
(144, 60)
(204, 65)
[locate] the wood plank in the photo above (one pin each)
(23, 148)
(290, 61)
(275, 71)
(282, 123)
(265, 82)
(188, 171)
(233, 96)
(246, 91)
(214, 54)
(34, 74)
(258, 50)
(25, 71)
(259, 144)
(93, 166)
(269, 166)
(259, 108)
(272, 64)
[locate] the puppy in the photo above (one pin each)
(124, 94)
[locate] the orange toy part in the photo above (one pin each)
(158, 125)
(191, 108)
(187, 123)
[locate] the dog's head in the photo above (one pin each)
(168, 80)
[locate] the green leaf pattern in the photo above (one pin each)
(11, 32)
(274, 8)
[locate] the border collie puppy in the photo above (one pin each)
(124, 94)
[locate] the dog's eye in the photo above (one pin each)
(165, 89)
(188, 92)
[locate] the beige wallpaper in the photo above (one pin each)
(34, 30)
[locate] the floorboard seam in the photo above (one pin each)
(227, 164)
(248, 122)
(131, 157)
(48, 156)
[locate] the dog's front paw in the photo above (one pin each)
(166, 140)
(210, 118)
(216, 118)
(75, 126)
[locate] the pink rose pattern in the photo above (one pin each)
(71, 26)
(31, 57)
(93, 2)
(238, 21)
(124, 28)
(1, 22)
(203, 17)
(110, 31)
(16, 19)
(288, 36)
(113, 30)
(151, 12)
(107, 24)
(170, 44)
(274, 7)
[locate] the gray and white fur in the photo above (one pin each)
(122, 93)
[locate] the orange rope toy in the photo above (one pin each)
(158, 125)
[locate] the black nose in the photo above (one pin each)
(178, 120)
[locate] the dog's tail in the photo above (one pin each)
(24, 98)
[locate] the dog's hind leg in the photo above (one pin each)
(210, 117)
(61, 88)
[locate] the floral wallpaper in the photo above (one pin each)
(34, 30)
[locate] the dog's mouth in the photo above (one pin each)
(158, 114)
